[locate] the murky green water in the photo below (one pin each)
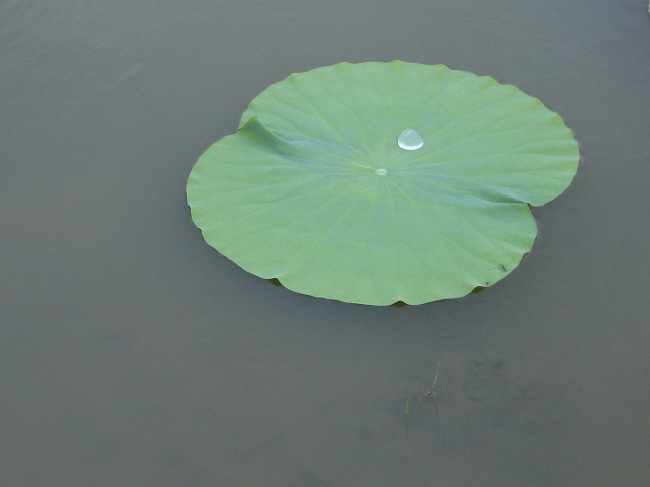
(133, 354)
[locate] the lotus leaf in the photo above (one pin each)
(374, 183)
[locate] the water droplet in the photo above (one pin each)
(381, 172)
(410, 140)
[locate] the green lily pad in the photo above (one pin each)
(375, 183)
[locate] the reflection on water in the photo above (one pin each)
(132, 354)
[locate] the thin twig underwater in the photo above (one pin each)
(406, 413)
(431, 394)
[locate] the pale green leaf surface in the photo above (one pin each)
(294, 194)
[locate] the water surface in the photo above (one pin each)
(133, 354)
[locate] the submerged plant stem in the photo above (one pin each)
(406, 413)
(432, 394)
